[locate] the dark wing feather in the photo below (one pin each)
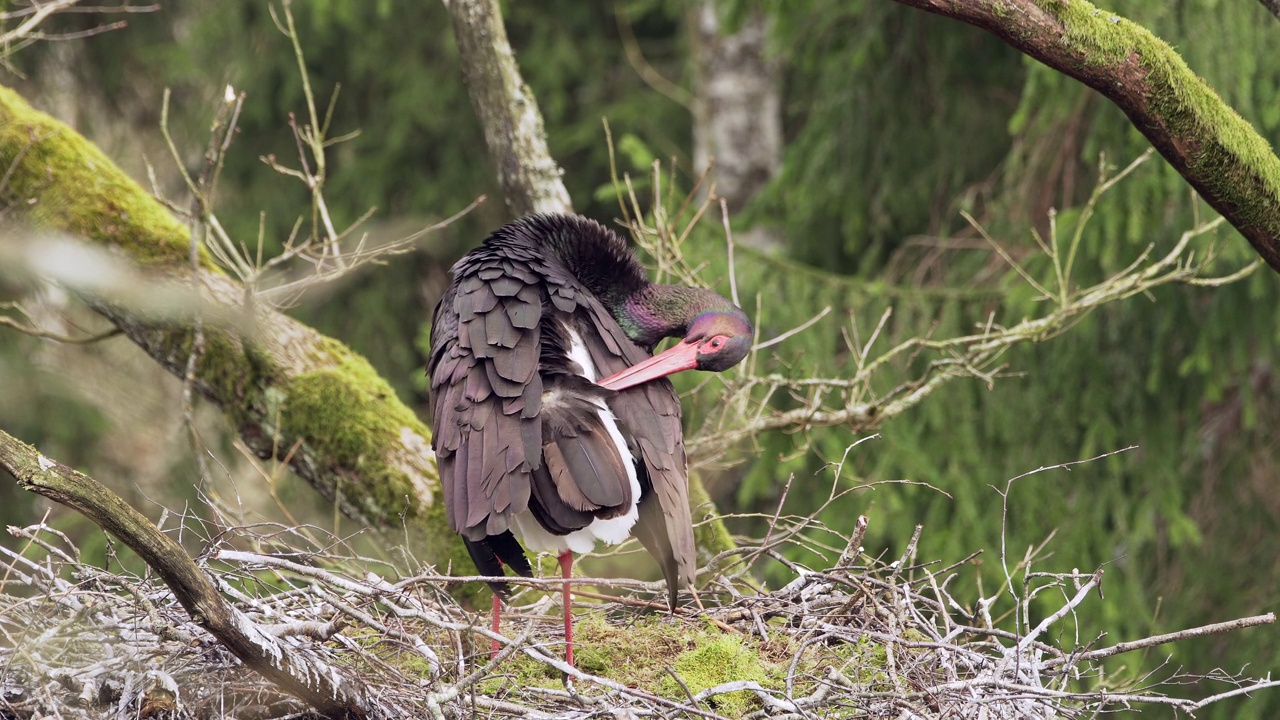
(651, 531)
(490, 554)
(582, 461)
(498, 344)
(557, 517)
(486, 392)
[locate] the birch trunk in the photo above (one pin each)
(737, 112)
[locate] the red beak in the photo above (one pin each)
(684, 356)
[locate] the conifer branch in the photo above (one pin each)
(862, 400)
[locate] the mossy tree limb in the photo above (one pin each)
(327, 688)
(1209, 144)
(288, 390)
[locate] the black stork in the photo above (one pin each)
(534, 346)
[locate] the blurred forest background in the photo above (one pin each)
(873, 127)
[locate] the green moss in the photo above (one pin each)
(639, 651)
(1101, 35)
(711, 536)
(634, 652)
(1225, 152)
(864, 662)
(520, 671)
(64, 182)
(349, 415)
(232, 372)
(723, 659)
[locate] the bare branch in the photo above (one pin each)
(865, 637)
(327, 688)
(36, 13)
(49, 335)
(1202, 631)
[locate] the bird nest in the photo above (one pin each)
(864, 638)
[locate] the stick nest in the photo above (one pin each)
(864, 638)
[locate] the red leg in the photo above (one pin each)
(497, 620)
(566, 570)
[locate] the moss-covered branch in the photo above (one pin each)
(288, 390)
(1216, 150)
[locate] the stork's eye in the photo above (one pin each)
(716, 343)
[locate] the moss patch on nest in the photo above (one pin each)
(717, 661)
(642, 652)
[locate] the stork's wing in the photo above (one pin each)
(650, 416)
(496, 346)
(486, 394)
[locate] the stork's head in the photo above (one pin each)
(715, 341)
(721, 338)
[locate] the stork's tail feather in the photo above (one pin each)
(492, 553)
(668, 539)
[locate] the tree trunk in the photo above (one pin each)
(507, 110)
(737, 111)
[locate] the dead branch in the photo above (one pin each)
(330, 690)
(865, 638)
(30, 329)
(31, 14)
